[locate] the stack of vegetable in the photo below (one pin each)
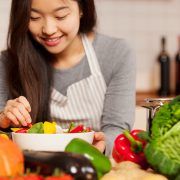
(163, 150)
(160, 148)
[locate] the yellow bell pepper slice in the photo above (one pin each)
(15, 129)
(49, 128)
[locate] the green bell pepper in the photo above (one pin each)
(101, 163)
(37, 128)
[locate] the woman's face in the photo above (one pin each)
(54, 23)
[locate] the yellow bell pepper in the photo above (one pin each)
(15, 129)
(49, 128)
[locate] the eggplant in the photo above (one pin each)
(78, 166)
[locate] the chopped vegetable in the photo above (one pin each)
(129, 147)
(71, 126)
(15, 129)
(77, 129)
(22, 130)
(87, 129)
(37, 128)
(99, 160)
(59, 129)
(49, 128)
(29, 125)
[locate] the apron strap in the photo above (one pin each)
(91, 55)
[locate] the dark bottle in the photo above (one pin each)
(177, 90)
(164, 61)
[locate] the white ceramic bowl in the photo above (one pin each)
(48, 142)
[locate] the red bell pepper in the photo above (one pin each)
(29, 125)
(22, 130)
(87, 129)
(77, 129)
(129, 147)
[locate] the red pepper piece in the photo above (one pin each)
(29, 125)
(23, 130)
(77, 129)
(129, 147)
(88, 129)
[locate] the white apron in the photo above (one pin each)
(85, 99)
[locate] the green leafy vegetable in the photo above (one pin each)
(163, 151)
(167, 116)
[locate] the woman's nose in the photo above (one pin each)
(49, 27)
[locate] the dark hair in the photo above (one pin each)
(88, 20)
(28, 71)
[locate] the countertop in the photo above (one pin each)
(142, 95)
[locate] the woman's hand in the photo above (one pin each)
(17, 111)
(99, 141)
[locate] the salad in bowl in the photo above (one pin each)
(48, 136)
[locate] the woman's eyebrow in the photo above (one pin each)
(55, 10)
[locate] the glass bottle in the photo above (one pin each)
(164, 61)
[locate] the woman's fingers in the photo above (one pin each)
(17, 111)
(13, 118)
(99, 141)
(25, 102)
(99, 136)
(24, 112)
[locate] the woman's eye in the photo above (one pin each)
(61, 18)
(35, 18)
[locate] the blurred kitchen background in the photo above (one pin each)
(142, 23)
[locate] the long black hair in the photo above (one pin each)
(28, 68)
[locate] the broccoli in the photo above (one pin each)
(163, 151)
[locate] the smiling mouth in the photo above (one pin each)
(51, 41)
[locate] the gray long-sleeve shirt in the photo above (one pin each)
(117, 63)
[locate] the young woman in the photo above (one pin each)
(56, 67)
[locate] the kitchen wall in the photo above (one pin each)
(4, 20)
(142, 23)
